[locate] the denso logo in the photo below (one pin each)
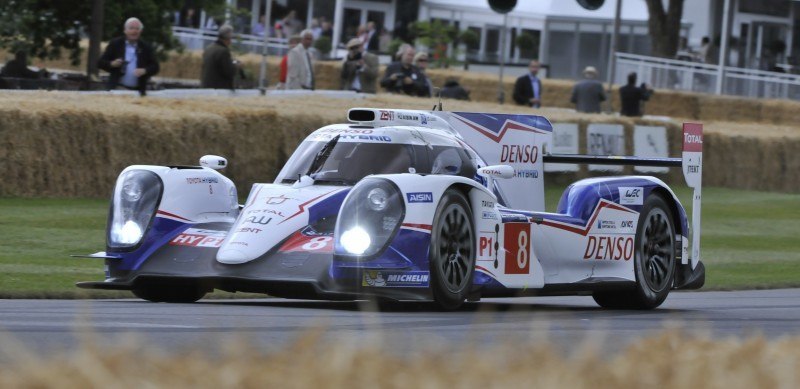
(519, 154)
(420, 197)
(387, 115)
(609, 248)
(249, 230)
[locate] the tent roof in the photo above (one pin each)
(631, 9)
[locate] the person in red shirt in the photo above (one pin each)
(284, 65)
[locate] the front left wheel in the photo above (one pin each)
(452, 251)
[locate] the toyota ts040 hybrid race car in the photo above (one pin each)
(408, 205)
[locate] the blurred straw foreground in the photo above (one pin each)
(671, 359)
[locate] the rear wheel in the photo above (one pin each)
(654, 260)
(452, 251)
(170, 294)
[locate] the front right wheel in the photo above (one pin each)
(654, 260)
(452, 251)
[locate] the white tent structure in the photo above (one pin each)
(570, 37)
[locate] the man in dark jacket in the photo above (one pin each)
(632, 96)
(219, 68)
(129, 60)
(528, 88)
(18, 67)
(403, 77)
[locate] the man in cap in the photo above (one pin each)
(219, 68)
(129, 60)
(588, 93)
(359, 69)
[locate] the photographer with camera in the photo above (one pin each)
(359, 69)
(633, 97)
(403, 77)
(219, 67)
(129, 60)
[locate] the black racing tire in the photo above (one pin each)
(170, 294)
(654, 260)
(452, 251)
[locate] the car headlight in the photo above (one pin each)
(370, 217)
(136, 198)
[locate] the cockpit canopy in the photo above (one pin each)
(345, 160)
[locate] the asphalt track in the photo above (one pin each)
(46, 326)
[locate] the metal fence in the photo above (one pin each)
(699, 77)
(199, 39)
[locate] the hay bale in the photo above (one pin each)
(67, 145)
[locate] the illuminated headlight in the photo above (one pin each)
(370, 217)
(356, 240)
(135, 201)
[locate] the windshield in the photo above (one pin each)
(345, 163)
(348, 162)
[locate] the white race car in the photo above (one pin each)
(408, 205)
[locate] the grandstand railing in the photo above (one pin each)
(199, 39)
(699, 77)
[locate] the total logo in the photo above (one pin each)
(693, 138)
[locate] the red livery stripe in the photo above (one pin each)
(165, 213)
(420, 226)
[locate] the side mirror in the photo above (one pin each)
(494, 172)
(214, 162)
(497, 171)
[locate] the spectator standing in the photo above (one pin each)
(702, 52)
(421, 61)
(373, 38)
(359, 69)
(633, 97)
(219, 68)
(403, 77)
(528, 88)
(588, 93)
(18, 67)
(300, 68)
(283, 68)
(327, 29)
(316, 28)
(129, 60)
(260, 28)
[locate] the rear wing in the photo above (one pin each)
(691, 163)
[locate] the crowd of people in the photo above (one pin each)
(131, 62)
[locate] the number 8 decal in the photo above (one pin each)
(517, 244)
(522, 252)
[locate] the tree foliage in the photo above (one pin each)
(48, 28)
(665, 27)
(437, 36)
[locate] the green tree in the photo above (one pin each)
(437, 36)
(48, 28)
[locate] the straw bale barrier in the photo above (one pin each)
(672, 359)
(68, 145)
